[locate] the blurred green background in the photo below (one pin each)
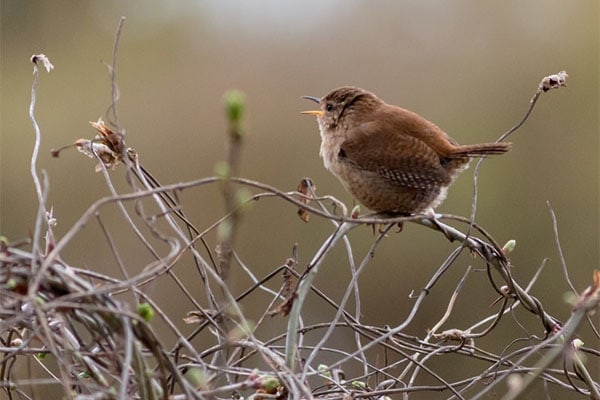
(469, 66)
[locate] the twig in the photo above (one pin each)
(291, 343)
(114, 89)
(554, 81)
(41, 212)
(234, 108)
(561, 255)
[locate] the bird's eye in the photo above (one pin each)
(329, 107)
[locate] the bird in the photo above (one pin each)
(390, 159)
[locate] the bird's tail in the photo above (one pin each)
(481, 150)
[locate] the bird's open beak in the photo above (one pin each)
(312, 112)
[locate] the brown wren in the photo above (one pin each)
(390, 159)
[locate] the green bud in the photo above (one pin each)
(270, 383)
(197, 378)
(324, 370)
(577, 344)
(359, 385)
(84, 375)
(146, 311)
(222, 169)
(509, 246)
(11, 284)
(224, 230)
(234, 107)
(243, 196)
(570, 298)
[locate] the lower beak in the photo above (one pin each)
(318, 113)
(313, 112)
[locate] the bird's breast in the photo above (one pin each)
(329, 153)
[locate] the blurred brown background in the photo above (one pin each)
(469, 66)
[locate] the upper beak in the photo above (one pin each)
(312, 112)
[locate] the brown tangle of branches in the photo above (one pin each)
(104, 346)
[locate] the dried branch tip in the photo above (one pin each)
(307, 188)
(590, 297)
(105, 146)
(45, 60)
(555, 81)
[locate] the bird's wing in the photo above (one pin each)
(398, 158)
